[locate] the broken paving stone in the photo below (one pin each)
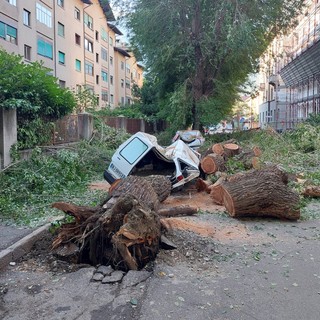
(115, 276)
(97, 277)
(133, 278)
(105, 270)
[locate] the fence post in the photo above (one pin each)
(85, 126)
(8, 134)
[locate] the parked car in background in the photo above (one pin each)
(221, 128)
(193, 138)
(141, 155)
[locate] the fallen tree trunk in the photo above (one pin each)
(123, 231)
(260, 193)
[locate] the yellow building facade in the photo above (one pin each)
(77, 40)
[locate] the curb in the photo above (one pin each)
(21, 247)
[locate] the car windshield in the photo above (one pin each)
(133, 150)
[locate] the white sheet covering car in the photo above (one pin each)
(141, 155)
(193, 138)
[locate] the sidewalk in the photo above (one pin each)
(15, 242)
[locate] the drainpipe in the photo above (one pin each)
(54, 40)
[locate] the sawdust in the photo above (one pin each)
(203, 202)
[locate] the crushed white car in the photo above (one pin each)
(141, 155)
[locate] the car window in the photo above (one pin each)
(133, 150)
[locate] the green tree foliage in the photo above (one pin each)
(86, 99)
(205, 48)
(35, 94)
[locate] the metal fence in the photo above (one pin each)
(73, 128)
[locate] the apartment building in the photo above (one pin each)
(289, 76)
(76, 39)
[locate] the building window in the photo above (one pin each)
(88, 45)
(44, 15)
(127, 84)
(45, 48)
(60, 29)
(111, 41)
(122, 65)
(97, 35)
(97, 57)
(111, 61)
(111, 98)
(62, 83)
(62, 57)
(104, 95)
(77, 13)
(12, 2)
(104, 76)
(78, 65)
(104, 54)
(88, 21)
(111, 79)
(60, 3)
(104, 35)
(134, 73)
(122, 100)
(127, 68)
(26, 17)
(27, 52)
(122, 83)
(8, 33)
(97, 79)
(77, 39)
(89, 68)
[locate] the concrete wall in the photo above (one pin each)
(8, 135)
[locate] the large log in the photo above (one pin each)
(230, 150)
(212, 163)
(260, 193)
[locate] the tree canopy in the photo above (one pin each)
(35, 94)
(200, 52)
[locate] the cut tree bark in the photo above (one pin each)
(260, 193)
(212, 163)
(312, 191)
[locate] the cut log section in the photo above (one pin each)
(218, 148)
(260, 193)
(257, 151)
(231, 149)
(216, 191)
(212, 163)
